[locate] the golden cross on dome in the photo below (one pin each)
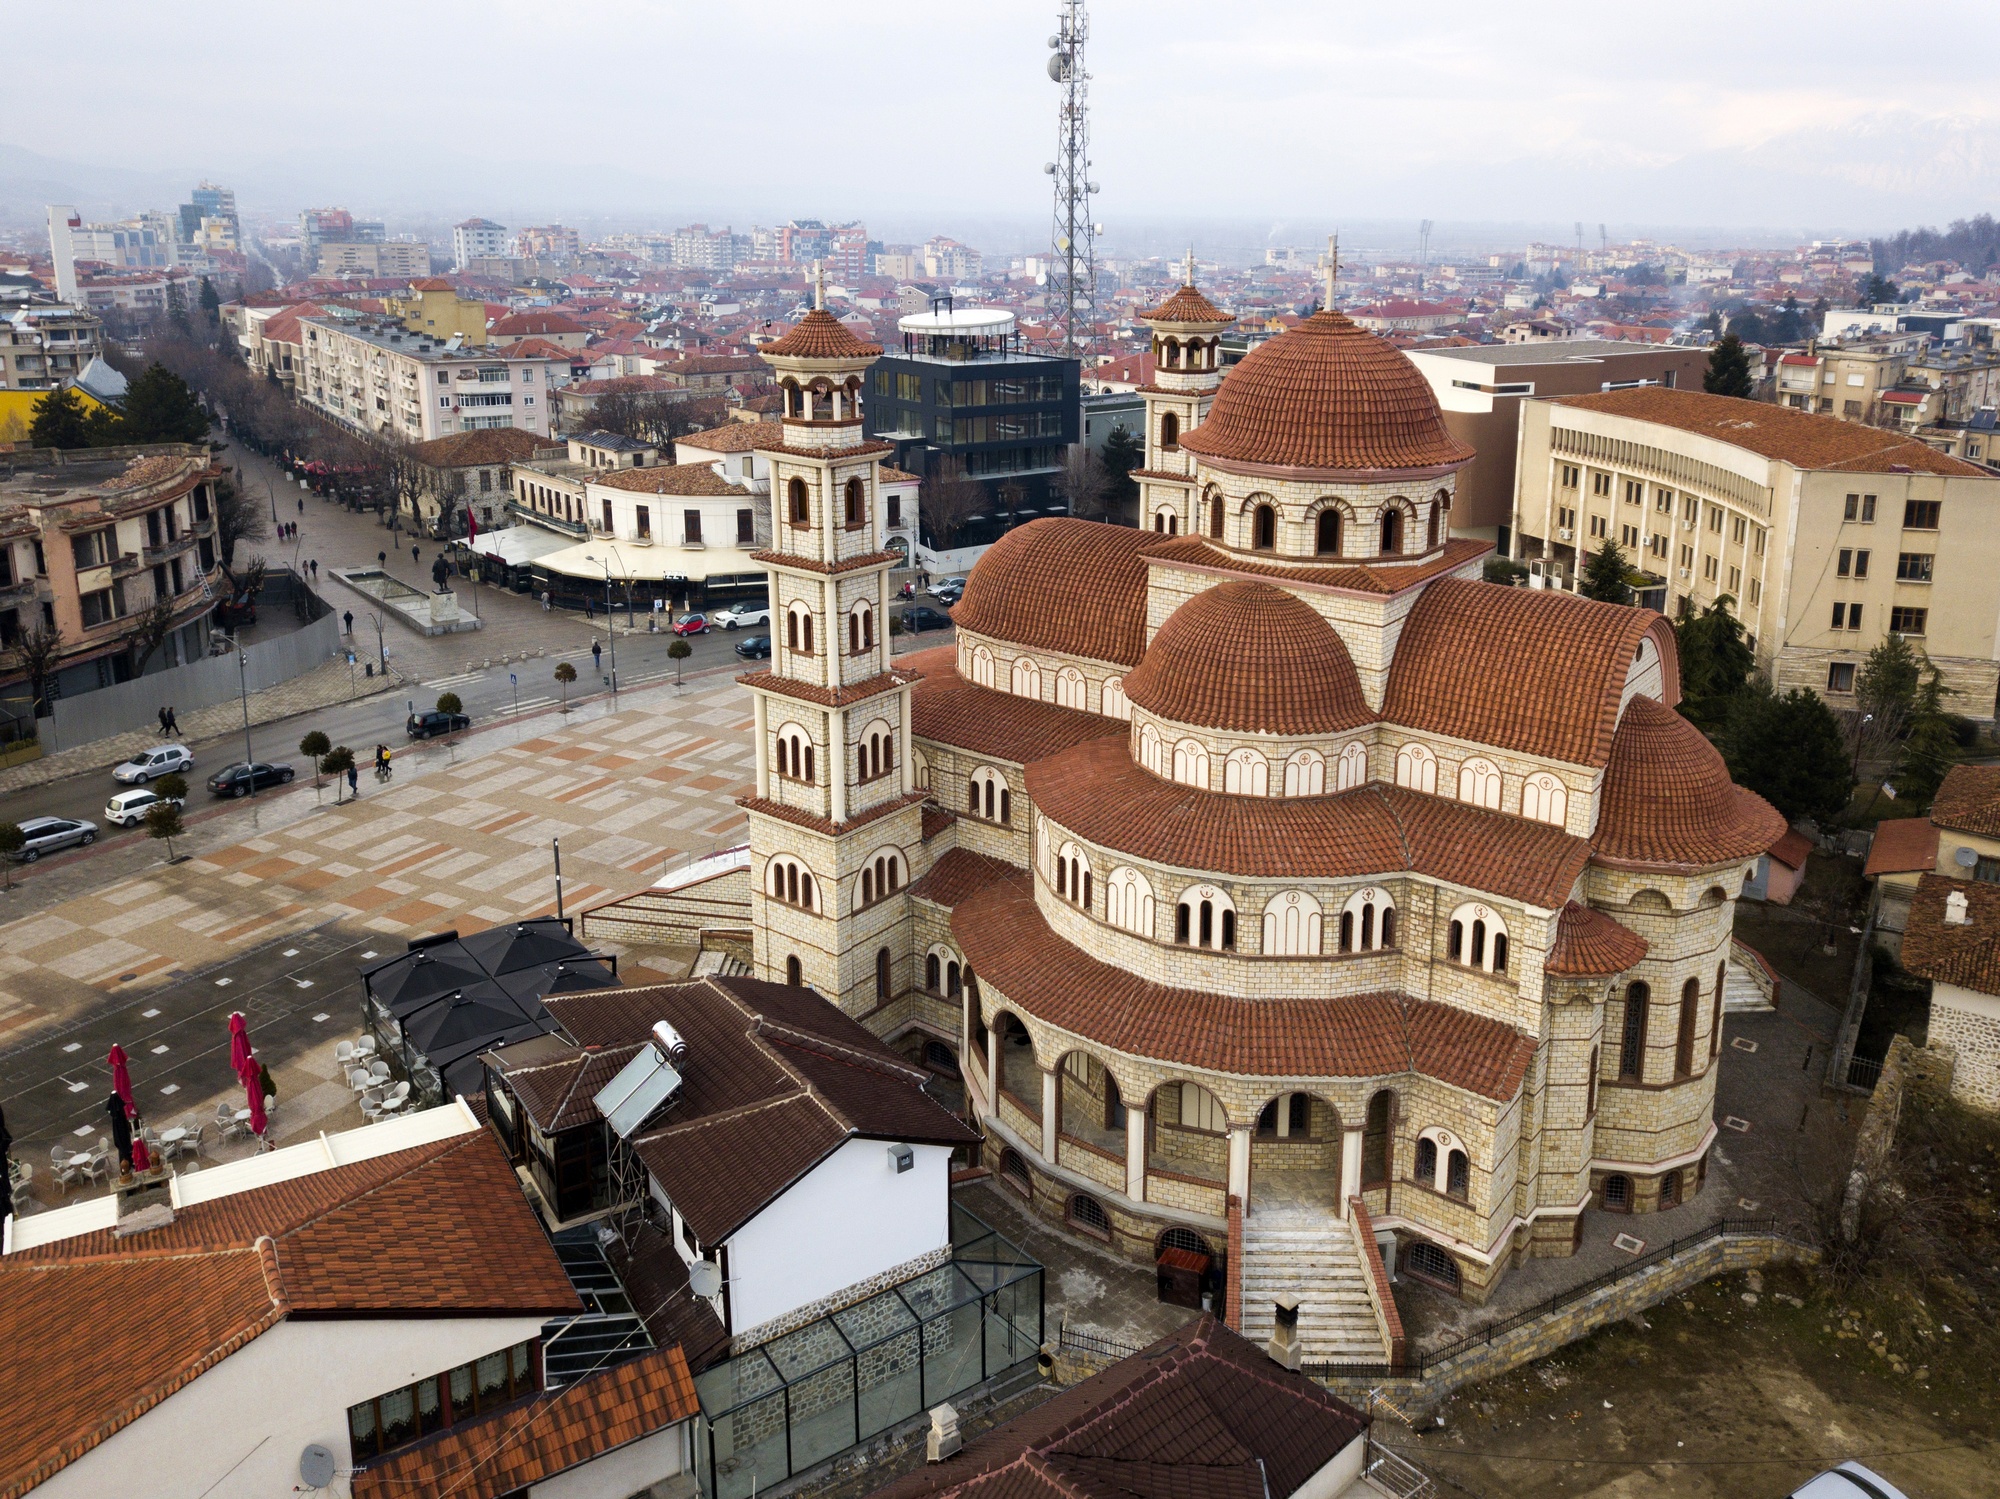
(1187, 275)
(1332, 267)
(819, 284)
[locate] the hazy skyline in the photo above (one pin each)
(919, 116)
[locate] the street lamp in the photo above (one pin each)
(243, 688)
(381, 645)
(610, 623)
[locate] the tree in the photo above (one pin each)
(1877, 288)
(39, 648)
(338, 762)
(949, 501)
(678, 652)
(12, 841)
(315, 747)
(211, 304)
(237, 518)
(163, 820)
(566, 674)
(1728, 369)
(1931, 749)
(448, 703)
(1084, 481)
(1123, 452)
(161, 407)
(177, 309)
(171, 787)
(1604, 575)
(149, 631)
(1885, 696)
(1788, 750)
(1715, 662)
(1503, 570)
(60, 421)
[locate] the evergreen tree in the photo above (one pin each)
(1877, 288)
(1123, 452)
(177, 309)
(161, 407)
(1715, 662)
(1728, 368)
(60, 421)
(1788, 750)
(1885, 688)
(1604, 575)
(1931, 749)
(211, 304)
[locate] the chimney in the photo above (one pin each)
(1284, 1346)
(1955, 913)
(942, 1440)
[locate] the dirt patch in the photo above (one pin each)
(1831, 900)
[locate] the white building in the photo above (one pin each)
(477, 239)
(374, 375)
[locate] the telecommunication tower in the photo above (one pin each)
(1074, 237)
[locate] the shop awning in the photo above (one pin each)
(647, 564)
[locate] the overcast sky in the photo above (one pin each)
(1283, 114)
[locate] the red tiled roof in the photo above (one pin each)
(473, 449)
(528, 324)
(1969, 800)
(820, 335)
(957, 875)
(735, 437)
(1005, 937)
(511, 1449)
(1098, 792)
(1589, 943)
(1905, 845)
(1062, 584)
(1969, 955)
(1187, 305)
(690, 479)
(947, 709)
(1792, 850)
(1250, 657)
(1326, 395)
(1667, 799)
(1567, 659)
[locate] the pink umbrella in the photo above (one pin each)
(253, 1084)
(121, 1078)
(239, 1040)
(142, 1159)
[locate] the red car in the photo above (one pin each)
(691, 624)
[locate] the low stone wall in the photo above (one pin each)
(1907, 1066)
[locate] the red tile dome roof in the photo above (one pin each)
(820, 335)
(1062, 584)
(1327, 395)
(1252, 658)
(1668, 800)
(1187, 305)
(1589, 944)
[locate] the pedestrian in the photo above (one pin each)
(312, 566)
(597, 655)
(353, 781)
(173, 724)
(267, 1083)
(545, 601)
(589, 607)
(302, 504)
(163, 721)
(413, 557)
(348, 620)
(383, 558)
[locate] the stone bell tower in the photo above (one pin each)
(836, 820)
(1187, 369)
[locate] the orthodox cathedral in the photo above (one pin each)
(1284, 895)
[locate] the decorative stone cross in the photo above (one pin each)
(1332, 267)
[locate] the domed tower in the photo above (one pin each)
(833, 823)
(1187, 369)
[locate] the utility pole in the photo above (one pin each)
(1073, 237)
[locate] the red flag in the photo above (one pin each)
(471, 526)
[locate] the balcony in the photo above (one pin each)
(166, 549)
(12, 594)
(551, 522)
(125, 566)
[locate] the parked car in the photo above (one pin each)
(430, 725)
(919, 617)
(941, 586)
(756, 648)
(149, 763)
(1848, 1481)
(241, 779)
(948, 596)
(692, 624)
(47, 834)
(751, 612)
(129, 808)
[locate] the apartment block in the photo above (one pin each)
(374, 375)
(476, 238)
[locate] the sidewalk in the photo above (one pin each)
(324, 686)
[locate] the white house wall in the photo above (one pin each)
(632, 1469)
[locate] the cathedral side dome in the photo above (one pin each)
(1062, 584)
(1668, 800)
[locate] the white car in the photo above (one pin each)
(1848, 1481)
(738, 615)
(941, 586)
(129, 808)
(157, 761)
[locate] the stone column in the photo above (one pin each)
(1284, 1116)
(1135, 1153)
(836, 761)
(1239, 1163)
(1049, 1085)
(763, 746)
(906, 745)
(1350, 1167)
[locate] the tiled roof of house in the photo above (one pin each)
(1005, 937)
(957, 875)
(508, 1451)
(1567, 659)
(655, 1277)
(529, 324)
(1354, 576)
(820, 335)
(1062, 584)
(947, 709)
(1793, 849)
(1969, 800)
(775, 1080)
(1187, 305)
(1201, 1414)
(560, 1094)
(1667, 799)
(1801, 438)
(1250, 657)
(735, 437)
(106, 1328)
(1097, 792)
(1902, 845)
(1968, 955)
(1326, 395)
(1589, 943)
(691, 479)
(473, 449)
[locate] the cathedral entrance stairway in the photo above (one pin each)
(712, 894)
(1741, 993)
(1308, 1251)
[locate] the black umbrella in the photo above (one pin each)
(6, 1168)
(121, 1131)
(460, 1066)
(524, 944)
(558, 978)
(415, 979)
(476, 1015)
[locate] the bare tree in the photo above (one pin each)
(150, 631)
(949, 501)
(40, 649)
(1088, 485)
(238, 517)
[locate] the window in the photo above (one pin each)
(1590, 1088)
(1375, 1137)
(1670, 1190)
(1569, 475)
(1392, 532)
(607, 515)
(1427, 1160)
(1416, 768)
(1191, 763)
(1088, 1215)
(1246, 773)
(1715, 1011)
(1684, 1037)
(1353, 767)
(401, 1416)
(800, 507)
(1861, 508)
(1128, 901)
(795, 754)
(1599, 526)
(787, 880)
(1914, 567)
(860, 630)
(1200, 1111)
(1600, 484)
(1264, 529)
(1544, 799)
(1840, 616)
(1026, 678)
(988, 797)
(883, 975)
(1368, 921)
(1635, 492)
(1426, 1261)
(1618, 1194)
(857, 505)
(1861, 564)
(1479, 783)
(1908, 621)
(1457, 1175)
(746, 528)
(1477, 938)
(1205, 917)
(1292, 923)
(1326, 533)
(799, 629)
(1170, 431)
(1014, 1170)
(1215, 518)
(1920, 515)
(1070, 689)
(1305, 773)
(1632, 1042)
(795, 974)
(1840, 676)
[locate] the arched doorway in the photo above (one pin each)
(1295, 1153)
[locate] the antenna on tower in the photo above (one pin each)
(1074, 236)
(1579, 239)
(1424, 244)
(1604, 239)
(1332, 269)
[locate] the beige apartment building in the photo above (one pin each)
(373, 375)
(388, 258)
(1889, 380)
(1826, 534)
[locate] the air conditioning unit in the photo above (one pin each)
(1688, 524)
(1686, 573)
(1565, 534)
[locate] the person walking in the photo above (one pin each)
(382, 558)
(353, 782)
(174, 725)
(414, 558)
(302, 504)
(545, 601)
(597, 656)
(163, 721)
(348, 620)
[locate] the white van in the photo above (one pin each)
(129, 808)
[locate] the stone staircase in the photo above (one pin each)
(712, 893)
(1740, 994)
(1309, 1253)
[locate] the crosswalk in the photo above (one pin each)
(456, 681)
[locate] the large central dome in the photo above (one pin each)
(1327, 395)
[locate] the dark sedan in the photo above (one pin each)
(922, 617)
(241, 779)
(429, 725)
(756, 648)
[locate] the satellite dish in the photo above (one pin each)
(1059, 67)
(316, 1467)
(705, 1279)
(1965, 858)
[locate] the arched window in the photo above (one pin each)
(1191, 763)
(794, 972)
(1128, 901)
(1670, 1190)
(988, 796)
(1116, 704)
(1353, 767)
(881, 877)
(954, 980)
(1070, 689)
(1392, 532)
(1199, 1108)
(861, 628)
(1427, 1160)
(1166, 522)
(1014, 1172)
(789, 881)
(1172, 349)
(1457, 1175)
(1326, 533)
(982, 666)
(1715, 1011)
(882, 974)
(1182, 1238)
(1305, 773)
(1590, 1092)
(1368, 921)
(857, 504)
(1632, 1042)
(1375, 1138)
(1618, 1194)
(1684, 1038)
(800, 502)
(795, 753)
(1426, 1261)
(920, 770)
(1479, 783)
(1073, 878)
(933, 973)
(1544, 799)
(1206, 917)
(1431, 538)
(1151, 753)
(1292, 922)
(1246, 773)
(1087, 1215)
(1170, 431)
(1215, 517)
(1417, 768)
(1264, 529)
(876, 751)
(1025, 680)
(1477, 938)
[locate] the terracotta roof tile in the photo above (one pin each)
(1969, 955)
(827, 697)
(735, 437)
(471, 449)
(1326, 395)
(1097, 792)
(825, 569)
(1188, 305)
(1356, 577)
(957, 875)
(1007, 940)
(655, 1277)
(1567, 659)
(1062, 584)
(1969, 800)
(799, 818)
(1589, 943)
(1667, 800)
(820, 335)
(1903, 845)
(947, 709)
(560, 1095)
(1250, 657)
(1793, 849)
(690, 479)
